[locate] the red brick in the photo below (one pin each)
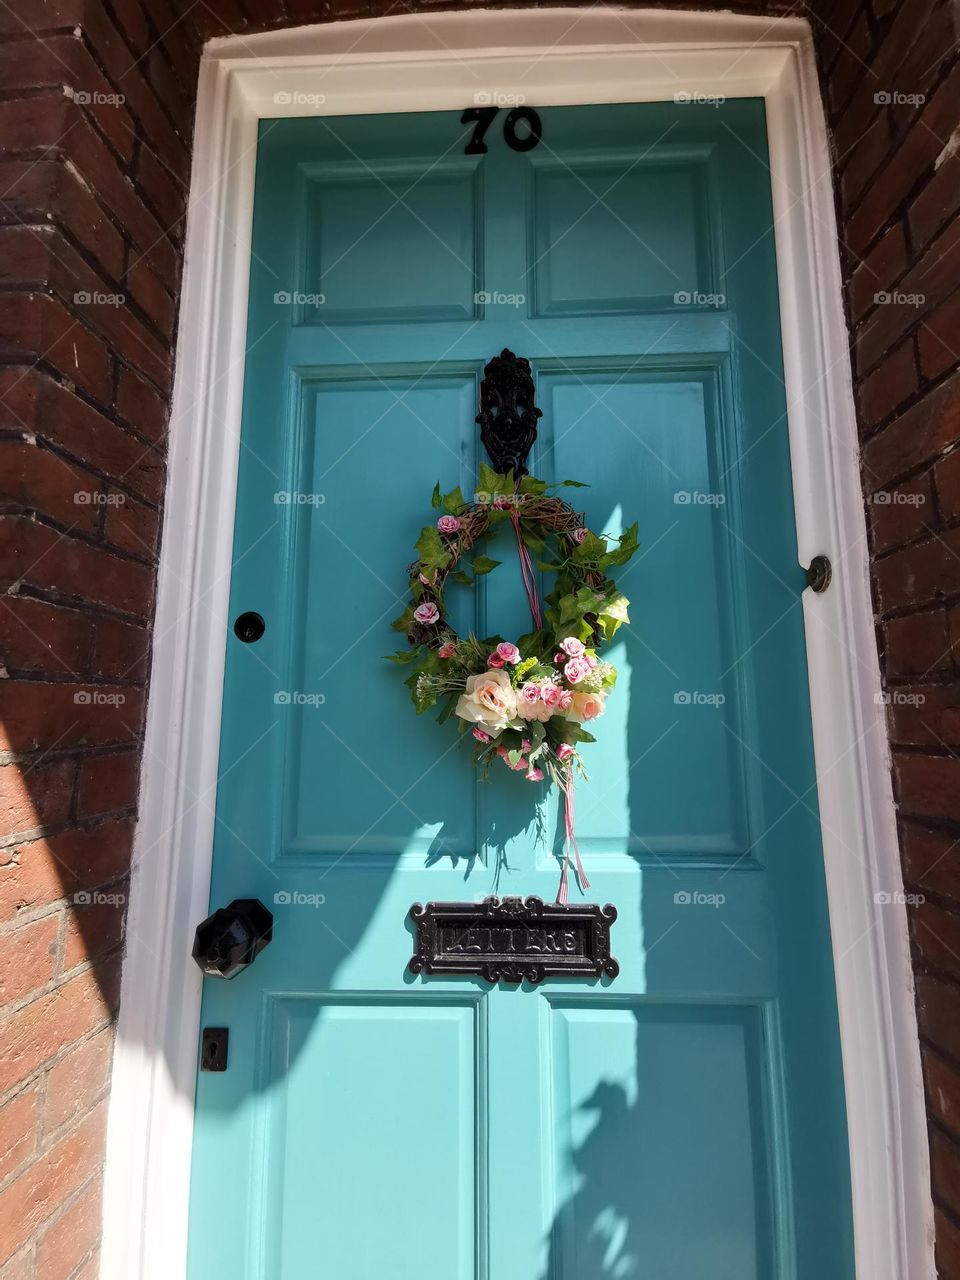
(927, 715)
(30, 1200)
(111, 50)
(872, 147)
(41, 191)
(902, 512)
(133, 527)
(850, 70)
(32, 323)
(76, 1082)
(32, 553)
(943, 1089)
(916, 644)
(166, 196)
(32, 399)
(83, 148)
(938, 338)
(936, 935)
(921, 573)
(18, 1132)
(945, 1170)
(938, 1010)
(931, 859)
(926, 284)
(62, 63)
(947, 478)
(146, 290)
(917, 152)
(879, 270)
(28, 958)
(34, 479)
(59, 715)
(141, 406)
(918, 435)
(120, 650)
(95, 927)
(927, 785)
(937, 203)
(42, 258)
(38, 873)
(47, 1026)
(108, 784)
(35, 636)
(893, 382)
(33, 796)
(30, 17)
(68, 1241)
(948, 1246)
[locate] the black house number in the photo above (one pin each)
(482, 118)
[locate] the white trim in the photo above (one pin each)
(436, 62)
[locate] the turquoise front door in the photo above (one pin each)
(685, 1120)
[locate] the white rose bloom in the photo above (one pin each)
(489, 701)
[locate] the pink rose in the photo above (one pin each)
(426, 580)
(587, 706)
(577, 669)
(564, 751)
(572, 647)
(482, 736)
(591, 661)
(525, 744)
(578, 535)
(534, 775)
(448, 524)
(447, 650)
(509, 652)
(495, 660)
(427, 613)
(550, 693)
(560, 658)
(530, 692)
(502, 504)
(566, 700)
(504, 755)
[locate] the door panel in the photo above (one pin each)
(686, 1120)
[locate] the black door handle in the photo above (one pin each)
(231, 939)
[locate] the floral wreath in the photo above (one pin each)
(526, 701)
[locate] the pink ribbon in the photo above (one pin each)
(526, 569)
(570, 840)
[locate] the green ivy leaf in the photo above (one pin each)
(627, 547)
(575, 484)
(403, 656)
(454, 501)
(430, 548)
(462, 577)
(483, 564)
(436, 499)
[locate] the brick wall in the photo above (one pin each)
(95, 126)
(892, 88)
(95, 131)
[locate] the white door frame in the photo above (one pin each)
(438, 62)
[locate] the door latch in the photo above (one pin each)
(213, 1048)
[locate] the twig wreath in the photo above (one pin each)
(525, 700)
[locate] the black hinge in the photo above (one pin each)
(213, 1048)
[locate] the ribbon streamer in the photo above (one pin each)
(570, 840)
(529, 578)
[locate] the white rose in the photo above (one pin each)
(489, 701)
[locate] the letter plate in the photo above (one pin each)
(514, 939)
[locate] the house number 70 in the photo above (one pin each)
(482, 118)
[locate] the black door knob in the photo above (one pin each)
(232, 938)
